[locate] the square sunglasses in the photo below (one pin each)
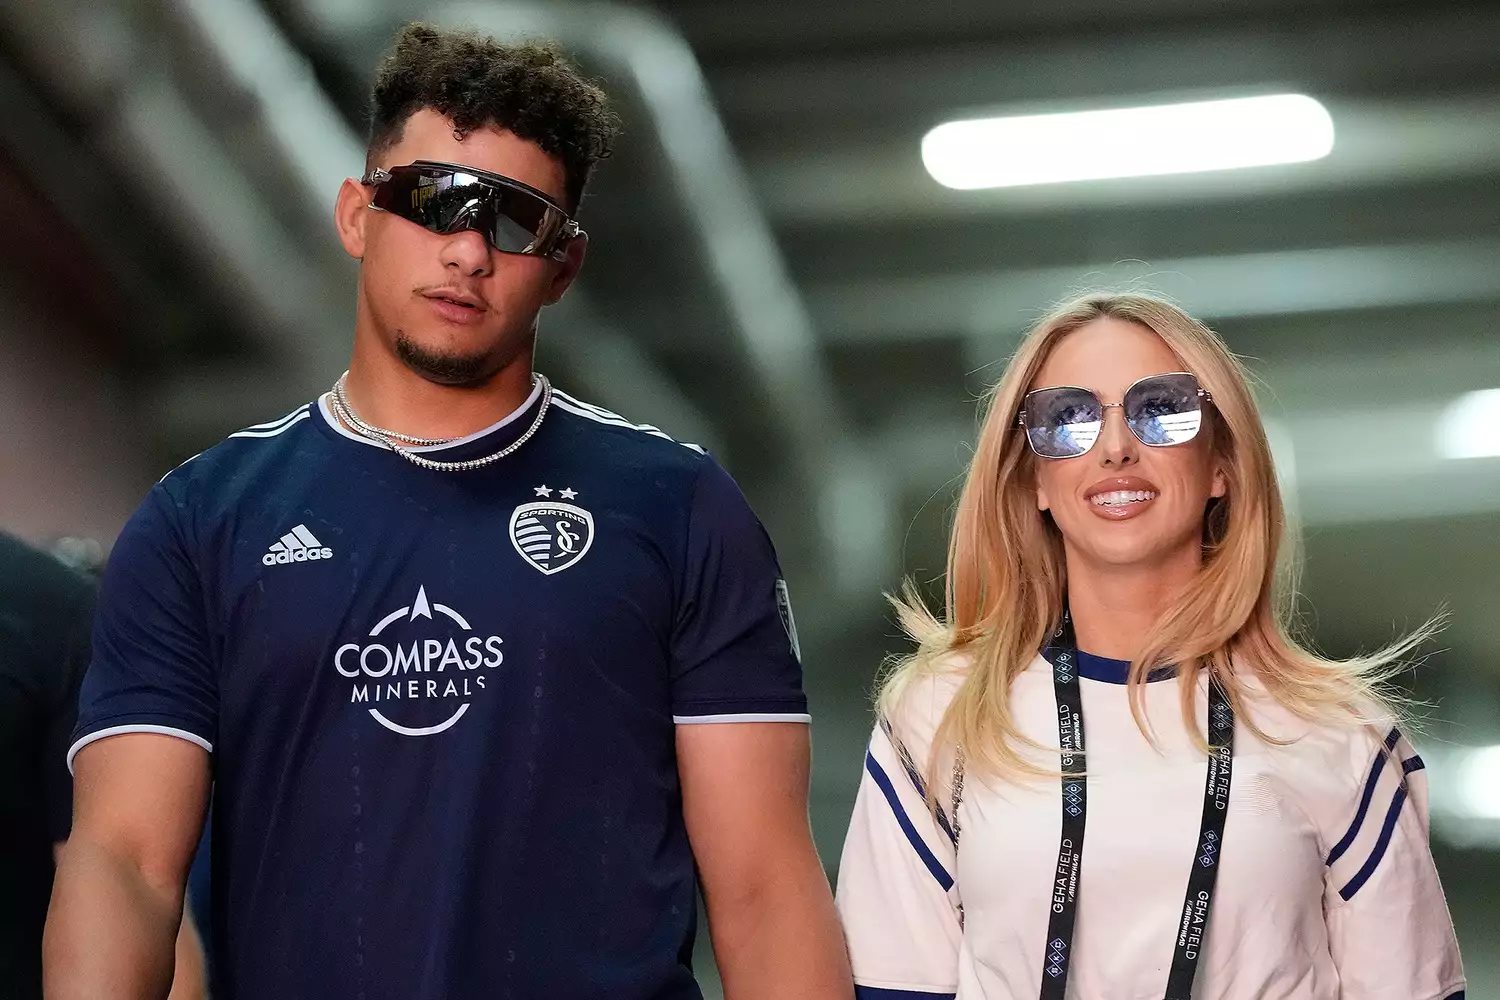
(1065, 421)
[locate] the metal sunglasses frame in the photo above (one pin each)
(1202, 394)
(569, 231)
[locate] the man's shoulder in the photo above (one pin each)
(623, 439)
(229, 461)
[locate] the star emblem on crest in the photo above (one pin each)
(544, 491)
(568, 493)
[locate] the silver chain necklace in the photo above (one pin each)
(343, 411)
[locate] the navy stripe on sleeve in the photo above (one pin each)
(939, 815)
(1364, 801)
(1391, 816)
(878, 993)
(918, 844)
(910, 767)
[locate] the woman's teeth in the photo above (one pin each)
(1117, 498)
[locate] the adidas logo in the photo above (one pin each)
(297, 545)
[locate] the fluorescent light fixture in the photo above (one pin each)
(1470, 426)
(1129, 142)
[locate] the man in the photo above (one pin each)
(481, 672)
(45, 612)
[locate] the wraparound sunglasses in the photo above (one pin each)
(1065, 421)
(450, 197)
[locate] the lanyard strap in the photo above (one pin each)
(1200, 890)
(1205, 873)
(1074, 810)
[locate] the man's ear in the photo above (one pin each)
(350, 216)
(574, 251)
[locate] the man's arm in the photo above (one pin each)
(188, 977)
(770, 911)
(139, 800)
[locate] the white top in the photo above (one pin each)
(1326, 889)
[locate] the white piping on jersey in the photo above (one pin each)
(603, 416)
(608, 416)
(181, 734)
(270, 424)
(269, 429)
(598, 409)
(338, 425)
(174, 468)
(696, 720)
(269, 432)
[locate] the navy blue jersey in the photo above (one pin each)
(441, 706)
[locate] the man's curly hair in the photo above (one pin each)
(476, 82)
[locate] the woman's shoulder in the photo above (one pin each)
(914, 703)
(1353, 729)
(1332, 759)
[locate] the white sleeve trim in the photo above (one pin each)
(181, 734)
(695, 720)
(905, 987)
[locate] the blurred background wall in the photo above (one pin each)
(775, 274)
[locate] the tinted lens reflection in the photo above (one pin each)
(1063, 422)
(1164, 409)
(445, 202)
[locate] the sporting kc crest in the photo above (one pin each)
(551, 536)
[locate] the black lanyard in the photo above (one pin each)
(1200, 891)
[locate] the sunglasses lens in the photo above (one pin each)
(521, 221)
(420, 196)
(446, 201)
(1062, 422)
(1164, 409)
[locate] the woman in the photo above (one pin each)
(1250, 823)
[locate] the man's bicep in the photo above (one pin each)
(141, 798)
(744, 796)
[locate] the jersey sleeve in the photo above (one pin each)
(1389, 930)
(152, 669)
(897, 890)
(734, 645)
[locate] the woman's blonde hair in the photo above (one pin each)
(1006, 580)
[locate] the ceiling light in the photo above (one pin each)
(1128, 142)
(1470, 426)
(1479, 782)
